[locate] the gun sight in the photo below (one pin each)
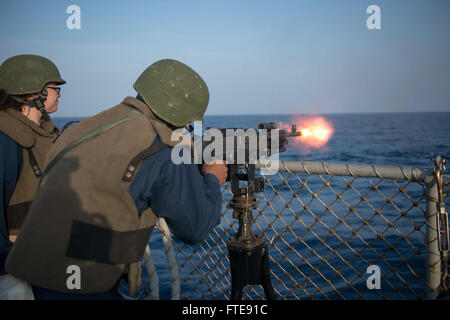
(273, 125)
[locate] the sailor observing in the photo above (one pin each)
(106, 181)
(29, 91)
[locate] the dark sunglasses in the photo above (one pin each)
(57, 89)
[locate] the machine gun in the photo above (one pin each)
(248, 253)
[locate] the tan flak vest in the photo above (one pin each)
(50, 127)
(83, 214)
(36, 143)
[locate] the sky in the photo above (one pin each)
(257, 57)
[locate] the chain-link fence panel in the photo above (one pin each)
(326, 226)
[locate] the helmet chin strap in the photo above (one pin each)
(40, 104)
(37, 103)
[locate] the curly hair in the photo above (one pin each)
(7, 102)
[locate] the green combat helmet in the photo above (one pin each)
(174, 92)
(26, 74)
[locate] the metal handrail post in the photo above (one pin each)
(433, 262)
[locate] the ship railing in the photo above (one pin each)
(334, 231)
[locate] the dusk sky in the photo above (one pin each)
(257, 57)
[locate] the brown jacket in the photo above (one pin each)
(36, 143)
(83, 214)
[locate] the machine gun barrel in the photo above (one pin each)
(273, 125)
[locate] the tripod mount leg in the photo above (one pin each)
(249, 265)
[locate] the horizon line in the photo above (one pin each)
(287, 114)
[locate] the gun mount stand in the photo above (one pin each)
(248, 253)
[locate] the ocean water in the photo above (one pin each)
(409, 139)
(406, 139)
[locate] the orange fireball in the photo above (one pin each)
(315, 131)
